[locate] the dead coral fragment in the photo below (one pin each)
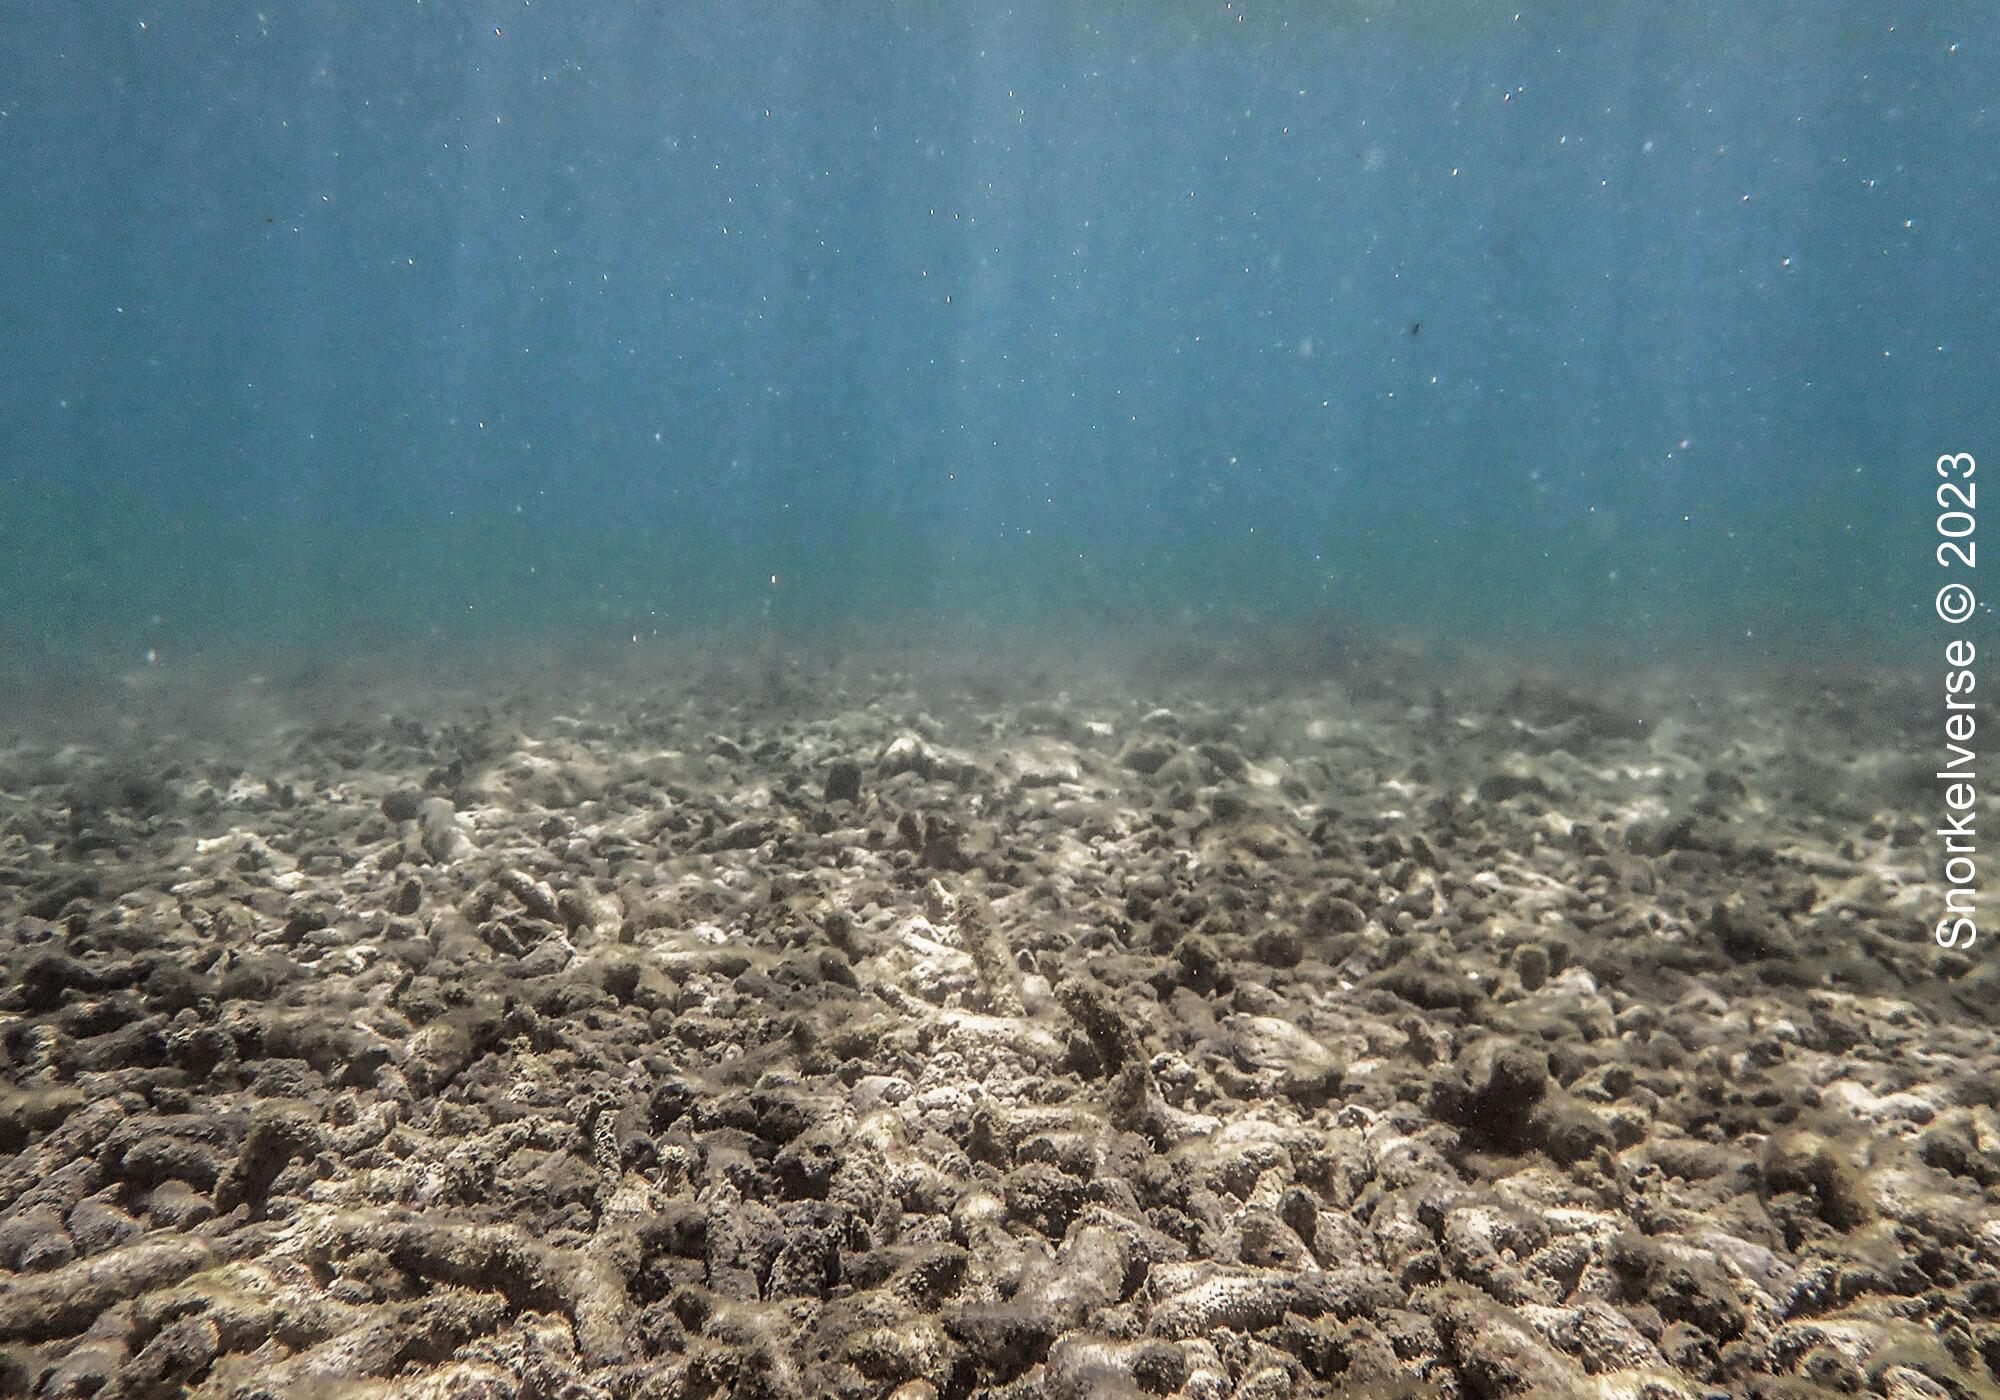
(64, 1302)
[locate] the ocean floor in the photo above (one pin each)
(782, 1032)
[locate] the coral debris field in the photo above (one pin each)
(866, 1032)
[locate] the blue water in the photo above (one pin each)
(430, 329)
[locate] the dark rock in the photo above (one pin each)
(1433, 987)
(1570, 1132)
(808, 1264)
(843, 781)
(34, 1241)
(408, 898)
(1657, 836)
(1228, 760)
(1502, 787)
(163, 1157)
(805, 1169)
(932, 1274)
(1697, 1291)
(97, 1225)
(1495, 1350)
(174, 1205)
(1331, 913)
(1749, 930)
(131, 793)
(24, 1112)
(1044, 1198)
(403, 804)
(170, 987)
(1492, 1093)
(1279, 947)
(942, 849)
(1113, 1037)
(737, 836)
(58, 896)
(1147, 756)
(51, 976)
(279, 1131)
(1200, 964)
(1003, 1339)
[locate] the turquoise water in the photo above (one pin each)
(417, 330)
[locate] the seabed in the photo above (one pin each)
(858, 1030)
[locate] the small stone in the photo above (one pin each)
(1043, 1198)
(1330, 913)
(1279, 947)
(1005, 1339)
(402, 805)
(177, 1206)
(843, 781)
(98, 1225)
(906, 753)
(1147, 756)
(409, 897)
(1650, 836)
(34, 1241)
(1750, 931)
(1227, 806)
(1228, 760)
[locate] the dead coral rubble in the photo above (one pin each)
(933, 1037)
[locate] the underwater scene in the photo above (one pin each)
(1098, 699)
